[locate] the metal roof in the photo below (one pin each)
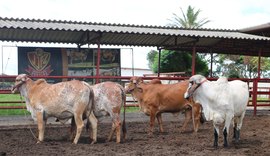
(262, 30)
(206, 40)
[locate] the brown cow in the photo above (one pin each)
(109, 99)
(61, 100)
(197, 113)
(155, 98)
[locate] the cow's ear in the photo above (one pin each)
(24, 78)
(198, 81)
(140, 79)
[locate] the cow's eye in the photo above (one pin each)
(191, 82)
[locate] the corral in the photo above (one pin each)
(18, 139)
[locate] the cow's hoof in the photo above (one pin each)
(38, 142)
(93, 142)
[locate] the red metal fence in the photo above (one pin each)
(259, 88)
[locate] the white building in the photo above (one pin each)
(135, 71)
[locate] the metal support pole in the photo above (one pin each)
(159, 54)
(259, 63)
(98, 62)
(193, 59)
(254, 95)
(132, 61)
(2, 54)
(211, 65)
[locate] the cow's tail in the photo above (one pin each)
(124, 129)
(91, 105)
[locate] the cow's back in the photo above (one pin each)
(168, 97)
(108, 98)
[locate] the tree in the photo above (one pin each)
(235, 66)
(176, 61)
(189, 20)
(151, 58)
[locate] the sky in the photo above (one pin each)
(223, 14)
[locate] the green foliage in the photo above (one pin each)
(189, 19)
(151, 58)
(235, 66)
(173, 61)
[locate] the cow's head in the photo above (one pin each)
(133, 84)
(19, 81)
(194, 83)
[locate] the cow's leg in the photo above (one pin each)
(152, 121)
(234, 128)
(41, 126)
(160, 123)
(72, 129)
(226, 129)
(93, 121)
(116, 127)
(196, 115)
(111, 132)
(118, 131)
(79, 124)
(238, 126)
(225, 133)
(188, 116)
(216, 133)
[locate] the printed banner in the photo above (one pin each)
(43, 61)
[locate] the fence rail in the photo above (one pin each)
(255, 90)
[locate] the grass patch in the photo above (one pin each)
(12, 97)
(131, 109)
(16, 97)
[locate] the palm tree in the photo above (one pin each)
(189, 20)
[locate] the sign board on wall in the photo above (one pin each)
(43, 61)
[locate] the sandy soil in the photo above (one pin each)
(255, 140)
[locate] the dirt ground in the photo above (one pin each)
(255, 140)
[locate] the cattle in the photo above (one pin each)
(222, 101)
(155, 98)
(62, 100)
(109, 98)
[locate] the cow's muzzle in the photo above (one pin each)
(186, 95)
(15, 87)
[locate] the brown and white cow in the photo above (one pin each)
(155, 98)
(62, 100)
(109, 99)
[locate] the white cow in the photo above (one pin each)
(62, 100)
(222, 101)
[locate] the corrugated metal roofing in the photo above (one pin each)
(262, 30)
(52, 31)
